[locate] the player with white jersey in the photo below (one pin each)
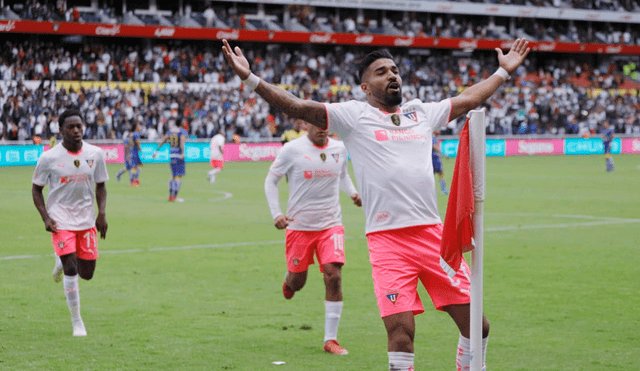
(216, 155)
(316, 167)
(70, 170)
(390, 147)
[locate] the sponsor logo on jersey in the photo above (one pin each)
(336, 156)
(296, 262)
(323, 157)
(76, 163)
(63, 180)
(395, 119)
(308, 174)
(90, 163)
(382, 216)
(60, 244)
(381, 135)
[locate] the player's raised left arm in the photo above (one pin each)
(101, 199)
(472, 97)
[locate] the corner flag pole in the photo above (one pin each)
(477, 154)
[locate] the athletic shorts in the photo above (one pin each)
(300, 246)
(177, 167)
(133, 162)
(83, 243)
(401, 257)
(217, 164)
(607, 147)
(437, 164)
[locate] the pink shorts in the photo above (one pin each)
(217, 164)
(400, 257)
(328, 245)
(83, 243)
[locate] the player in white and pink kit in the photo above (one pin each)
(72, 170)
(390, 147)
(316, 167)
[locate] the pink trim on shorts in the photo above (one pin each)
(327, 244)
(217, 164)
(83, 243)
(401, 257)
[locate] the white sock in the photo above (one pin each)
(72, 292)
(332, 312)
(400, 361)
(463, 356)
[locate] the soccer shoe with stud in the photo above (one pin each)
(333, 347)
(286, 291)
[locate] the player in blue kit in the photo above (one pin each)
(436, 155)
(132, 157)
(607, 138)
(177, 137)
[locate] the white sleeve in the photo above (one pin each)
(342, 117)
(101, 175)
(273, 197)
(437, 114)
(42, 172)
(346, 185)
(283, 162)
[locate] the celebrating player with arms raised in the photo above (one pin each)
(390, 147)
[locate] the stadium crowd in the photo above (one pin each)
(546, 96)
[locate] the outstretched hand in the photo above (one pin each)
(512, 60)
(236, 59)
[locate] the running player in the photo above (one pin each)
(607, 138)
(390, 147)
(132, 161)
(317, 169)
(71, 170)
(177, 137)
(436, 160)
(216, 155)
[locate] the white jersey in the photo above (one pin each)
(71, 178)
(315, 177)
(217, 142)
(391, 156)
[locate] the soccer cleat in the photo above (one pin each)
(444, 191)
(172, 198)
(136, 182)
(286, 291)
(58, 270)
(333, 347)
(79, 330)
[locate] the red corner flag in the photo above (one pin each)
(457, 236)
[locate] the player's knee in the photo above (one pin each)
(70, 270)
(401, 338)
(86, 275)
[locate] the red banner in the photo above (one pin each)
(160, 32)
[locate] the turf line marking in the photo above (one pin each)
(599, 221)
(225, 195)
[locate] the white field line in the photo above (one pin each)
(597, 221)
(224, 196)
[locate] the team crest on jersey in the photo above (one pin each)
(61, 244)
(395, 119)
(296, 262)
(336, 156)
(393, 296)
(412, 116)
(323, 157)
(90, 163)
(76, 163)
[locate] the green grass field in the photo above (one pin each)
(197, 285)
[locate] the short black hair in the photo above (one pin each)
(370, 58)
(68, 113)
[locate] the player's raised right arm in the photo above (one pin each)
(310, 111)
